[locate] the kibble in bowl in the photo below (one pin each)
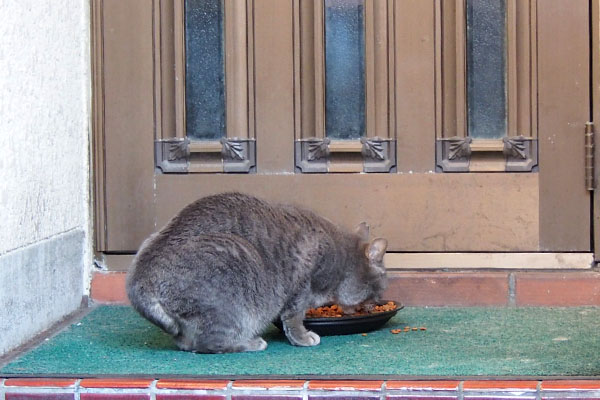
(336, 311)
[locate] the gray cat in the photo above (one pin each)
(228, 265)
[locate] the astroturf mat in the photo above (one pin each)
(115, 340)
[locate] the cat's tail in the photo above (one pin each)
(152, 310)
(157, 314)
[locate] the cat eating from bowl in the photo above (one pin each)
(227, 265)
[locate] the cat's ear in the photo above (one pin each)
(362, 230)
(376, 250)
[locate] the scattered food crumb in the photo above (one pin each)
(364, 334)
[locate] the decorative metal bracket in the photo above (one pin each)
(239, 155)
(521, 153)
(453, 154)
(379, 154)
(312, 155)
(173, 155)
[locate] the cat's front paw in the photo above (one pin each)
(308, 338)
(298, 335)
(312, 338)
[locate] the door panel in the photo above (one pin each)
(415, 82)
(417, 209)
(485, 212)
(128, 100)
(274, 86)
(564, 107)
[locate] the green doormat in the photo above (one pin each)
(457, 342)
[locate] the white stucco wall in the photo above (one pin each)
(44, 158)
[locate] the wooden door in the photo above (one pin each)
(448, 125)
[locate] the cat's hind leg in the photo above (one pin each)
(219, 346)
(196, 337)
(254, 344)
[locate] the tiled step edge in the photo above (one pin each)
(448, 289)
(196, 389)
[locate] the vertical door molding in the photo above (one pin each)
(379, 146)
(376, 71)
(452, 67)
(309, 61)
(236, 68)
(520, 146)
(517, 151)
(311, 145)
(595, 31)
(98, 142)
(175, 152)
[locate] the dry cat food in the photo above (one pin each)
(335, 311)
(408, 329)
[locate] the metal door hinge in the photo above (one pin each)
(590, 183)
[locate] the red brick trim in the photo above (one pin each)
(566, 289)
(41, 382)
(250, 389)
(501, 385)
(267, 384)
(345, 385)
(109, 288)
(448, 289)
(192, 384)
(422, 385)
(116, 383)
(571, 385)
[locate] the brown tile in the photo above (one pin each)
(420, 396)
(557, 288)
(448, 288)
(39, 396)
(109, 288)
(269, 384)
(570, 396)
(190, 397)
(500, 385)
(422, 385)
(40, 382)
(114, 396)
(356, 396)
(571, 385)
(192, 384)
(344, 385)
(116, 383)
(268, 397)
(501, 396)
